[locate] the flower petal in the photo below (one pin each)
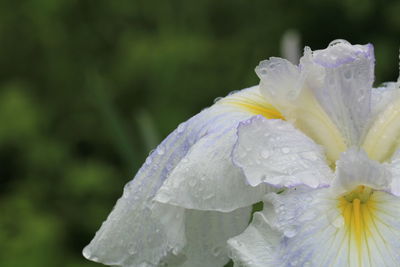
(139, 231)
(207, 233)
(318, 232)
(345, 92)
(284, 85)
(322, 243)
(383, 96)
(206, 178)
(394, 167)
(328, 97)
(307, 221)
(382, 139)
(355, 168)
(256, 246)
(274, 152)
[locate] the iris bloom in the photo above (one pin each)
(315, 142)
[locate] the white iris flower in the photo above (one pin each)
(315, 142)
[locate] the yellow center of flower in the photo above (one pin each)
(357, 208)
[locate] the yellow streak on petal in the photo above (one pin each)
(267, 112)
(253, 103)
(308, 116)
(357, 221)
(382, 140)
(312, 120)
(357, 210)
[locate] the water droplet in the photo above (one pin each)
(132, 249)
(233, 92)
(338, 41)
(160, 150)
(209, 196)
(181, 127)
(192, 182)
(348, 74)
(338, 222)
(290, 232)
(265, 154)
(217, 99)
(217, 251)
(309, 155)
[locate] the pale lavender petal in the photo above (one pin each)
(275, 153)
(141, 231)
(345, 92)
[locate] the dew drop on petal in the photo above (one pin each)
(217, 251)
(290, 232)
(338, 222)
(192, 182)
(132, 249)
(215, 101)
(338, 41)
(181, 127)
(265, 154)
(348, 74)
(233, 92)
(151, 152)
(309, 156)
(160, 150)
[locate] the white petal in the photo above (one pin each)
(139, 231)
(307, 221)
(283, 84)
(206, 178)
(383, 136)
(255, 247)
(345, 93)
(323, 237)
(288, 208)
(394, 167)
(274, 152)
(280, 81)
(383, 96)
(355, 168)
(207, 233)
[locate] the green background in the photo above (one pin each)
(89, 87)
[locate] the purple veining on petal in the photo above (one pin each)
(201, 130)
(139, 192)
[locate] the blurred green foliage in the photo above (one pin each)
(88, 87)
